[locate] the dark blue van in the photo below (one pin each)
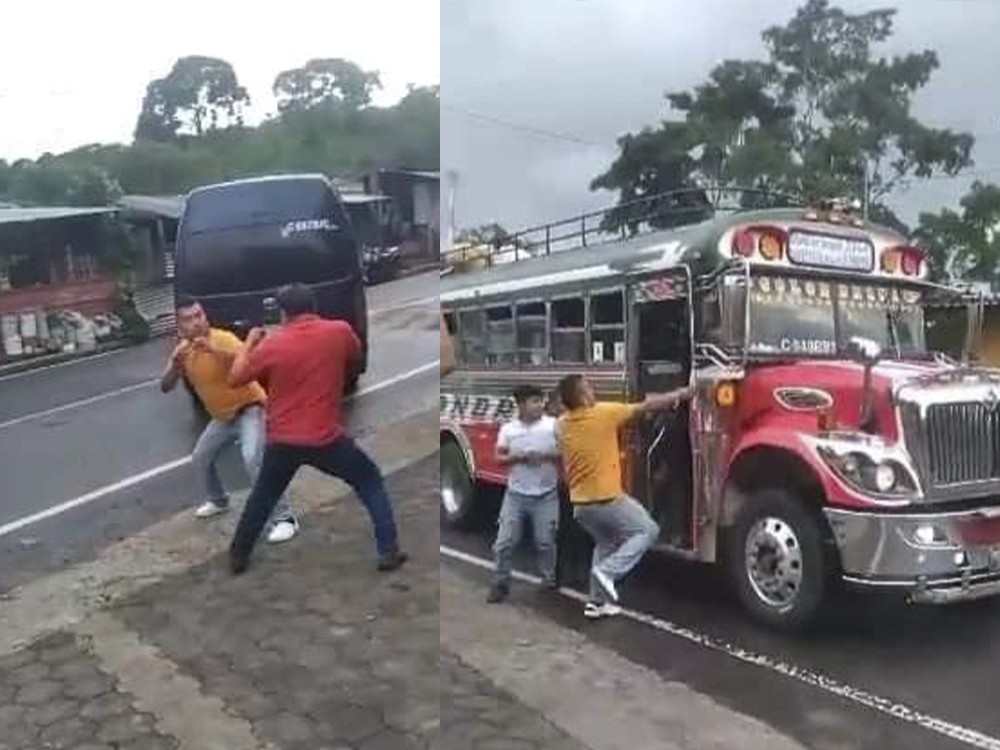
(239, 242)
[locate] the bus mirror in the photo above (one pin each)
(865, 351)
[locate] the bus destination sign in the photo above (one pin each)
(829, 251)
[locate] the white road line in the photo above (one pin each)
(77, 404)
(404, 305)
(56, 510)
(382, 384)
(122, 484)
(79, 361)
(877, 703)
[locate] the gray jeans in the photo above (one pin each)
(622, 531)
(248, 431)
(543, 511)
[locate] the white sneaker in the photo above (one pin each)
(283, 531)
(605, 582)
(209, 509)
(595, 611)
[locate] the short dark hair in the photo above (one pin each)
(569, 391)
(525, 391)
(184, 301)
(296, 299)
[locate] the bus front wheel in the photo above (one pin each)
(458, 489)
(778, 560)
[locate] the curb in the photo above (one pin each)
(48, 360)
(417, 269)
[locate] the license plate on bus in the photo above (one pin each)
(830, 251)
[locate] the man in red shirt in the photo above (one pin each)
(304, 365)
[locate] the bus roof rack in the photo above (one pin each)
(667, 210)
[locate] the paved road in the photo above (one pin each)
(79, 430)
(942, 663)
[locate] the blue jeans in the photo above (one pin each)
(622, 531)
(247, 429)
(543, 511)
(342, 459)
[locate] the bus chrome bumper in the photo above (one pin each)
(935, 558)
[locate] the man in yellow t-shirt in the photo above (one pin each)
(622, 529)
(204, 357)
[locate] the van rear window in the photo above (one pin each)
(255, 204)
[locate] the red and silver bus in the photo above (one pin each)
(826, 443)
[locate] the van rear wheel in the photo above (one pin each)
(200, 412)
(351, 384)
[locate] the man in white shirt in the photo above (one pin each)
(528, 446)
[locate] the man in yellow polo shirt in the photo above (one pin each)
(621, 528)
(204, 356)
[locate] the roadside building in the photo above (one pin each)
(417, 195)
(57, 279)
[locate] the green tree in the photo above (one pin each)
(823, 116)
(965, 244)
(324, 81)
(52, 182)
(331, 139)
(199, 94)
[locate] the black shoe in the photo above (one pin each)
(392, 561)
(550, 586)
(238, 562)
(498, 592)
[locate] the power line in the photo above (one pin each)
(522, 128)
(568, 138)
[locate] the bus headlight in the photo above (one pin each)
(861, 472)
(881, 476)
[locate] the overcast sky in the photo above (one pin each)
(591, 70)
(74, 72)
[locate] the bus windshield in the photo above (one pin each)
(818, 318)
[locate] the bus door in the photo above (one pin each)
(660, 353)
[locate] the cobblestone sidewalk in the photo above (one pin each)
(312, 648)
(476, 715)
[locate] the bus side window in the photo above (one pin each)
(532, 333)
(569, 335)
(709, 319)
(449, 355)
(472, 346)
(607, 328)
(500, 347)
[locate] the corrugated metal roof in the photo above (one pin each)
(20, 215)
(363, 198)
(414, 173)
(169, 206)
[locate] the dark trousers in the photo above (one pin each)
(342, 459)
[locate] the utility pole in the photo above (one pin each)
(864, 197)
(452, 187)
